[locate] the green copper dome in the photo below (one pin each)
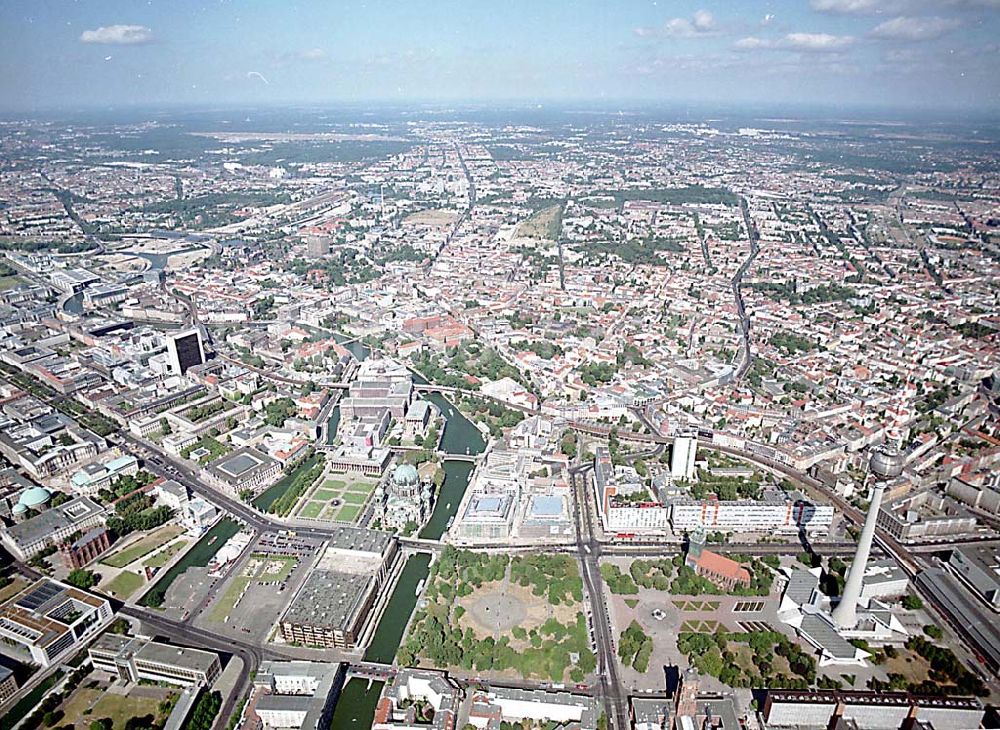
(405, 475)
(34, 497)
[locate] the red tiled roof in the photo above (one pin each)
(721, 565)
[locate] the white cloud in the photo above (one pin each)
(805, 42)
(898, 7)
(313, 54)
(118, 35)
(914, 29)
(753, 43)
(701, 23)
(816, 41)
(858, 7)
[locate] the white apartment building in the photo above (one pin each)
(765, 515)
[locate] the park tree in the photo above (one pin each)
(81, 578)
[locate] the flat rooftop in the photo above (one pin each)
(329, 599)
(547, 506)
(239, 465)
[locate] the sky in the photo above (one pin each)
(923, 54)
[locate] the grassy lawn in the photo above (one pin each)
(125, 584)
(224, 606)
(908, 663)
(354, 498)
(8, 282)
(361, 487)
(216, 448)
(697, 605)
(278, 575)
(312, 510)
(15, 585)
(704, 627)
(163, 557)
(545, 223)
(324, 494)
(337, 484)
(144, 546)
(79, 702)
(348, 513)
(121, 709)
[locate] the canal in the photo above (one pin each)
(269, 496)
(456, 480)
(356, 705)
(332, 424)
(198, 556)
(397, 613)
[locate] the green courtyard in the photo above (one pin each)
(336, 499)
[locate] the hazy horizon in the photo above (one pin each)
(888, 55)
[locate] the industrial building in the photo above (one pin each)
(966, 614)
(494, 705)
(243, 470)
(925, 515)
(97, 476)
(49, 528)
(331, 607)
(8, 684)
(43, 442)
(84, 549)
(683, 454)
(776, 511)
(978, 567)
(396, 707)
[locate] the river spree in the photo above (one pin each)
(460, 437)
(355, 347)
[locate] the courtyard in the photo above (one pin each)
(336, 498)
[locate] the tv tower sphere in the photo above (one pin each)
(886, 463)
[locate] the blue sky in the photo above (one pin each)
(882, 53)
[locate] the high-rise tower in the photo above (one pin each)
(185, 349)
(885, 464)
(683, 455)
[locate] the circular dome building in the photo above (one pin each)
(34, 498)
(405, 475)
(405, 481)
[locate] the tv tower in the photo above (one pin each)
(885, 464)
